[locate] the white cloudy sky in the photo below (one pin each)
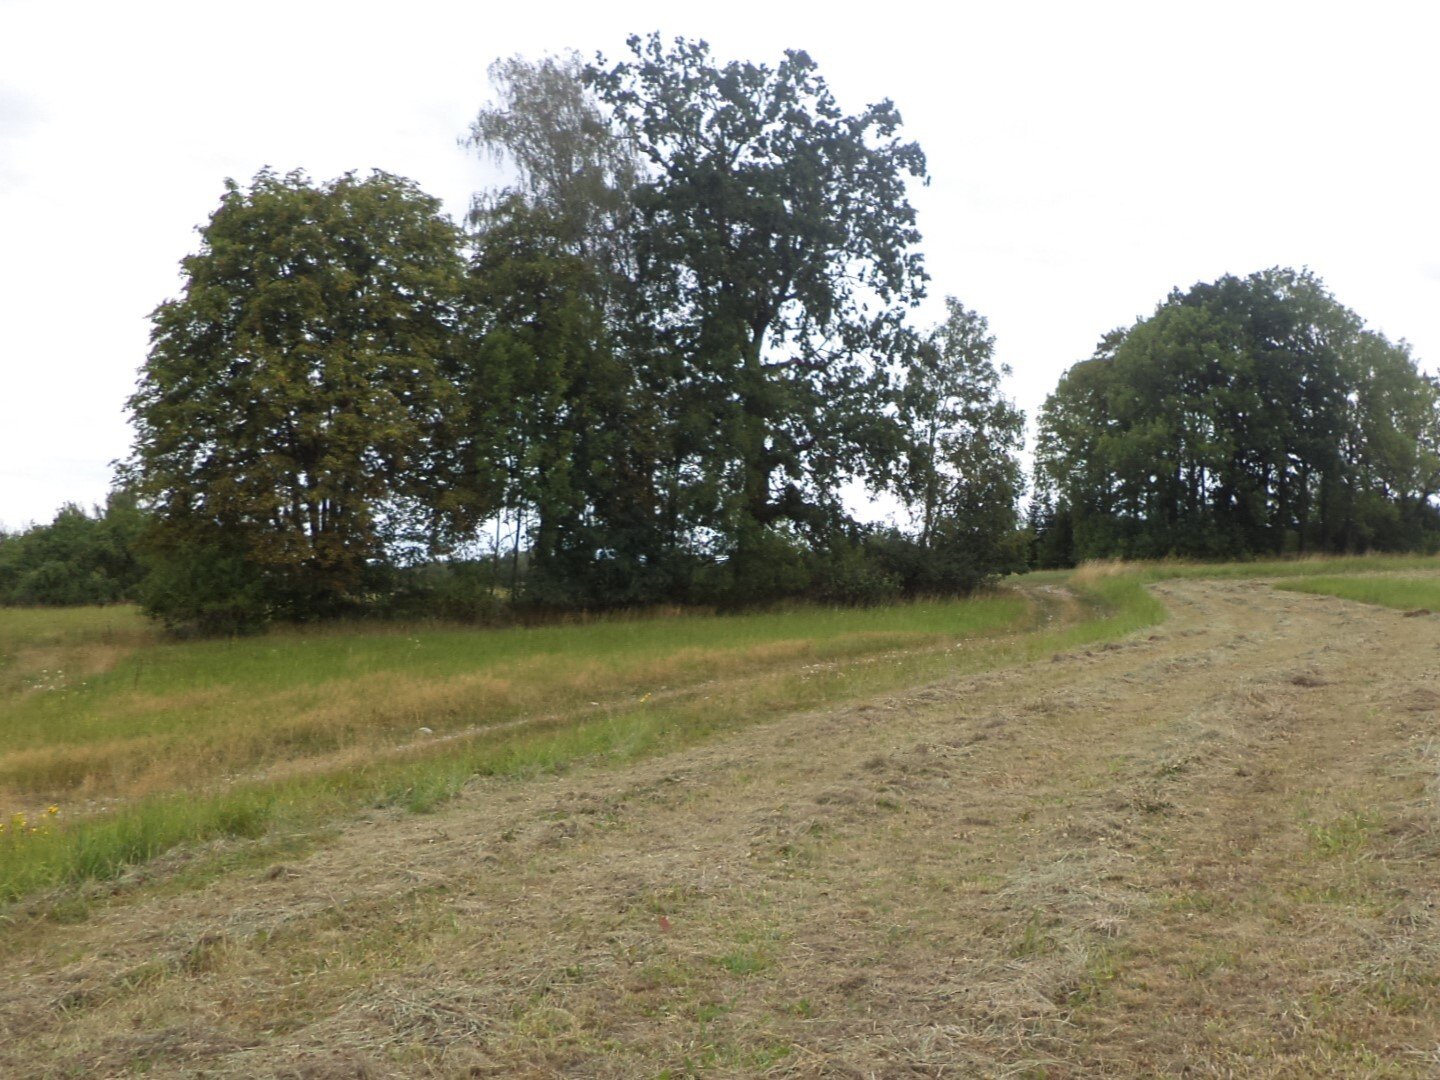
(1086, 158)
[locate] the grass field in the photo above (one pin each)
(105, 723)
(117, 744)
(1309, 566)
(143, 743)
(139, 743)
(1135, 820)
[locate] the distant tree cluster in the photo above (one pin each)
(655, 360)
(1249, 416)
(79, 558)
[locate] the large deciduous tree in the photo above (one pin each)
(1246, 416)
(775, 251)
(291, 417)
(553, 286)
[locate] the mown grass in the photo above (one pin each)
(149, 743)
(611, 691)
(1405, 593)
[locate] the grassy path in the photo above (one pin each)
(1208, 849)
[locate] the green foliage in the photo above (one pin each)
(962, 477)
(775, 264)
(294, 411)
(1049, 533)
(78, 558)
(457, 590)
(766, 563)
(205, 583)
(690, 313)
(577, 423)
(854, 569)
(683, 327)
(1248, 416)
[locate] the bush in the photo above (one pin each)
(464, 590)
(204, 588)
(78, 558)
(852, 571)
(766, 566)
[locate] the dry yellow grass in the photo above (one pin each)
(1209, 850)
(1099, 569)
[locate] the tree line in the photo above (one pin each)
(659, 363)
(655, 361)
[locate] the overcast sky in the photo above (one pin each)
(1085, 159)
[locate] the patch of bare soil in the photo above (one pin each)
(1209, 851)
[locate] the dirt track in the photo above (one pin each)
(1210, 851)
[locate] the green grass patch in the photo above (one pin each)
(55, 648)
(1407, 593)
(743, 962)
(39, 627)
(327, 688)
(1343, 835)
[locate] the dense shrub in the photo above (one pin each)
(79, 558)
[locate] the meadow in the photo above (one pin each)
(141, 743)
(118, 743)
(1132, 819)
